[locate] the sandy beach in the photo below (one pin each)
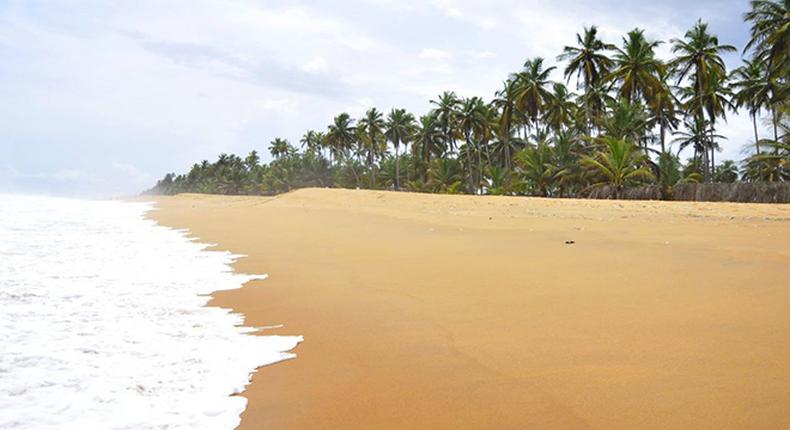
(454, 312)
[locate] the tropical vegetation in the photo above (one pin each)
(619, 117)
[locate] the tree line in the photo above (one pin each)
(539, 137)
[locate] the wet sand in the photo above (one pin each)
(463, 312)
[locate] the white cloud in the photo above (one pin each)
(434, 54)
(316, 65)
(480, 55)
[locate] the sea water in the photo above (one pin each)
(103, 323)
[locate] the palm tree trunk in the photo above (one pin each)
(397, 167)
(371, 172)
(776, 128)
(480, 169)
(756, 136)
(469, 163)
(705, 164)
(587, 107)
(663, 136)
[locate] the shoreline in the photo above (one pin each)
(466, 312)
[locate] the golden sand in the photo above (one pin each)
(456, 312)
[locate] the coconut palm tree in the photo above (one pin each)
(399, 130)
(713, 101)
(505, 101)
(444, 176)
(754, 90)
(311, 141)
(726, 172)
(696, 133)
(663, 108)
(341, 135)
(446, 106)
(699, 59)
(561, 108)
(626, 120)
(717, 100)
(472, 120)
(428, 139)
(618, 163)
(565, 159)
(774, 164)
(637, 69)
(280, 148)
(373, 125)
(699, 56)
(770, 35)
(532, 93)
(670, 173)
(536, 168)
(588, 61)
(596, 98)
(771, 165)
(252, 160)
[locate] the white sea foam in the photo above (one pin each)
(102, 323)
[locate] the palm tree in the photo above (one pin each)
(428, 139)
(770, 165)
(596, 99)
(561, 108)
(670, 174)
(754, 90)
(536, 167)
(399, 129)
(444, 176)
(637, 70)
(373, 126)
(310, 141)
(446, 106)
(726, 172)
(588, 62)
(532, 93)
(280, 148)
(770, 35)
(773, 165)
(716, 99)
(663, 110)
(696, 133)
(617, 164)
(626, 120)
(471, 120)
(505, 101)
(252, 160)
(699, 58)
(340, 135)
(565, 159)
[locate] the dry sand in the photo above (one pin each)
(453, 312)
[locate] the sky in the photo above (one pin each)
(102, 98)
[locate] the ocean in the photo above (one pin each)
(103, 323)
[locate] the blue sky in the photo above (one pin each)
(102, 98)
